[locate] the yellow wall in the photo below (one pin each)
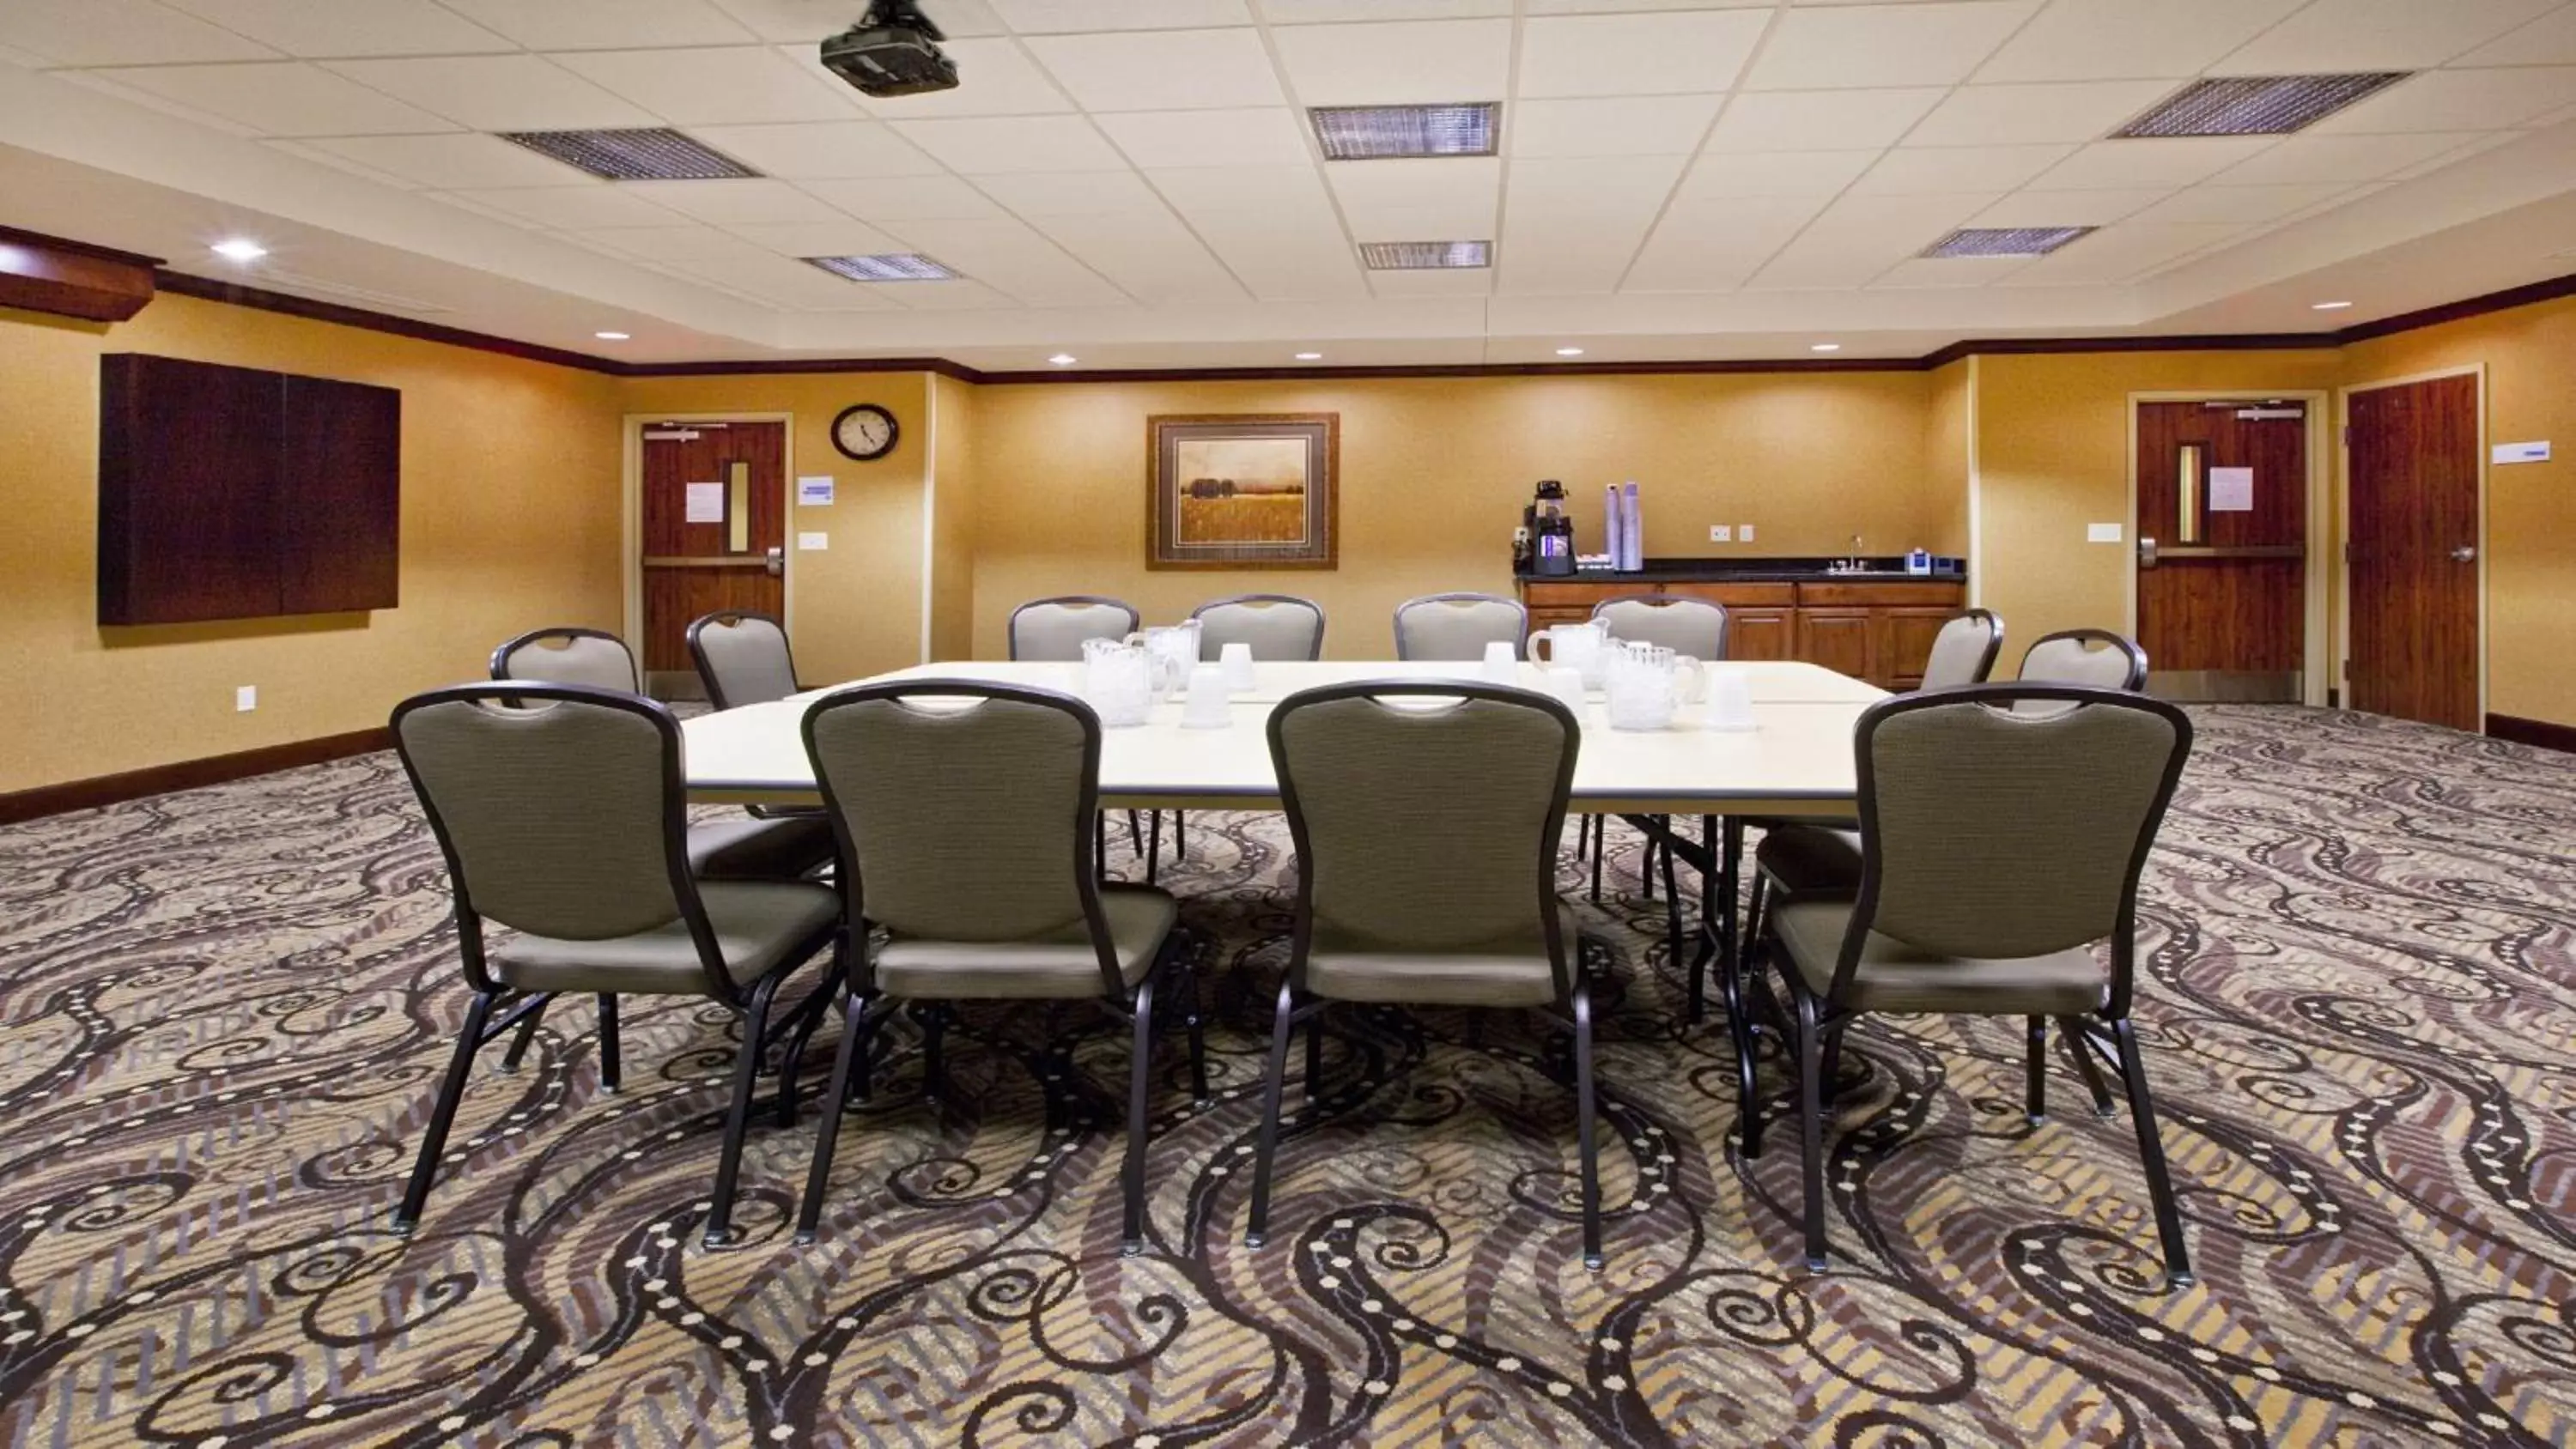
(1948, 415)
(953, 467)
(1434, 473)
(2530, 359)
(509, 520)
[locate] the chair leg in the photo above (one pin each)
(2079, 1045)
(526, 1033)
(1273, 1087)
(746, 1070)
(1194, 1019)
(1811, 1127)
(1646, 870)
(1180, 845)
(1140, 1091)
(2151, 1152)
(610, 1074)
(1584, 1135)
(1672, 902)
(2034, 1087)
(433, 1138)
(1153, 844)
(846, 1062)
(1739, 1028)
(1100, 845)
(934, 1058)
(791, 1052)
(1600, 847)
(1135, 842)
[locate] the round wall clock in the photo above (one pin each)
(866, 432)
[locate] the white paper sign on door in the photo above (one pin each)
(2231, 490)
(706, 503)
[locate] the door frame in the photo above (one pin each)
(2343, 515)
(2316, 672)
(631, 511)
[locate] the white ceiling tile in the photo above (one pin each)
(1150, 255)
(1444, 223)
(1397, 63)
(1927, 272)
(1642, 126)
(714, 86)
(1820, 120)
(1043, 17)
(2069, 208)
(1070, 193)
(310, 152)
(1883, 45)
(118, 32)
(2026, 114)
(787, 283)
(1549, 257)
(995, 77)
(598, 24)
(452, 162)
(1311, 12)
(2178, 161)
(1598, 7)
(2340, 158)
(1159, 70)
(888, 199)
(1291, 256)
(818, 238)
(667, 243)
(1583, 190)
(1240, 188)
(279, 98)
(1266, 136)
(2118, 253)
(735, 203)
(344, 28)
(1922, 170)
(2332, 35)
(2458, 100)
(2241, 205)
(1772, 173)
(1006, 255)
(1632, 55)
(2550, 40)
(955, 18)
(1713, 246)
(999, 145)
(807, 21)
(817, 150)
(1426, 200)
(497, 92)
(572, 208)
(958, 295)
(1432, 282)
(1859, 237)
(2110, 39)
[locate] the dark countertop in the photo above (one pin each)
(1875, 570)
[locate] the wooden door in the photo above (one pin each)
(1839, 639)
(715, 535)
(2412, 454)
(2222, 532)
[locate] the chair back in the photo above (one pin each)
(1694, 627)
(1425, 814)
(964, 809)
(1988, 832)
(568, 655)
(743, 658)
(1459, 626)
(1964, 651)
(558, 808)
(1052, 630)
(2095, 658)
(1277, 626)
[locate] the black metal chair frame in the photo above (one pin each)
(2137, 656)
(1573, 990)
(1520, 633)
(864, 1008)
(500, 668)
(1313, 651)
(524, 1010)
(1810, 1027)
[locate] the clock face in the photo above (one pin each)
(865, 432)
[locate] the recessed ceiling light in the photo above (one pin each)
(2329, 306)
(646, 153)
(1824, 347)
(887, 267)
(1425, 255)
(1064, 359)
(1310, 357)
(240, 249)
(1372, 133)
(2004, 241)
(2256, 105)
(1569, 352)
(612, 336)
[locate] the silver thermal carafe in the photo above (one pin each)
(1551, 533)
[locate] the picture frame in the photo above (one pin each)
(1243, 491)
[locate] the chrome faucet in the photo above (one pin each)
(1852, 565)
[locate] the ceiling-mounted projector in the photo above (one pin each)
(893, 52)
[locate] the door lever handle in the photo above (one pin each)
(2146, 552)
(777, 561)
(2465, 553)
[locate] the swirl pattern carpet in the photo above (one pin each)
(223, 1014)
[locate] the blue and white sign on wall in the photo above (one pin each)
(814, 492)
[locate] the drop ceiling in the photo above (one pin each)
(1133, 181)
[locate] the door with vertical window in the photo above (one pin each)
(714, 534)
(2222, 548)
(2412, 456)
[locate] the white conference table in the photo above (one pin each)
(1797, 760)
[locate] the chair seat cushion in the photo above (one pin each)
(1893, 976)
(759, 927)
(782, 848)
(1062, 966)
(1505, 973)
(1819, 859)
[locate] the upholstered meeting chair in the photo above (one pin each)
(759, 848)
(1694, 627)
(1277, 626)
(964, 815)
(559, 811)
(1459, 626)
(742, 658)
(2095, 657)
(1425, 816)
(1999, 849)
(1054, 629)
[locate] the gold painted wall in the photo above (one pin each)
(509, 521)
(2530, 358)
(952, 572)
(1949, 407)
(1434, 472)
(854, 608)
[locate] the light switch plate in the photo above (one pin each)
(1720, 533)
(2101, 533)
(246, 699)
(813, 542)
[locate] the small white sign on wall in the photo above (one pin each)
(706, 503)
(2101, 533)
(2522, 452)
(2231, 490)
(813, 542)
(814, 492)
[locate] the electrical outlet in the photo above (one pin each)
(1720, 533)
(1745, 532)
(246, 698)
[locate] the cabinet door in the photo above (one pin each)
(1838, 639)
(1905, 643)
(339, 499)
(1761, 634)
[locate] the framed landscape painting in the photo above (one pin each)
(1242, 491)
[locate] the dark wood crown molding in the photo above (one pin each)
(64, 278)
(2511, 297)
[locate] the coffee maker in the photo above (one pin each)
(1546, 533)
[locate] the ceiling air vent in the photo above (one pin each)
(646, 154)
(886, 267)
(1425, 255)
(2004, 241)
(1374, 133)
(2257, 105)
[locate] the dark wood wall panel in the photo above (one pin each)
(339, 517)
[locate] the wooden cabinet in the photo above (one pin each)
(1905, 642)
(1762, 634)
(1843, 640)
(1877, 630)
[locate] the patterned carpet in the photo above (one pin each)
(225, 1012)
